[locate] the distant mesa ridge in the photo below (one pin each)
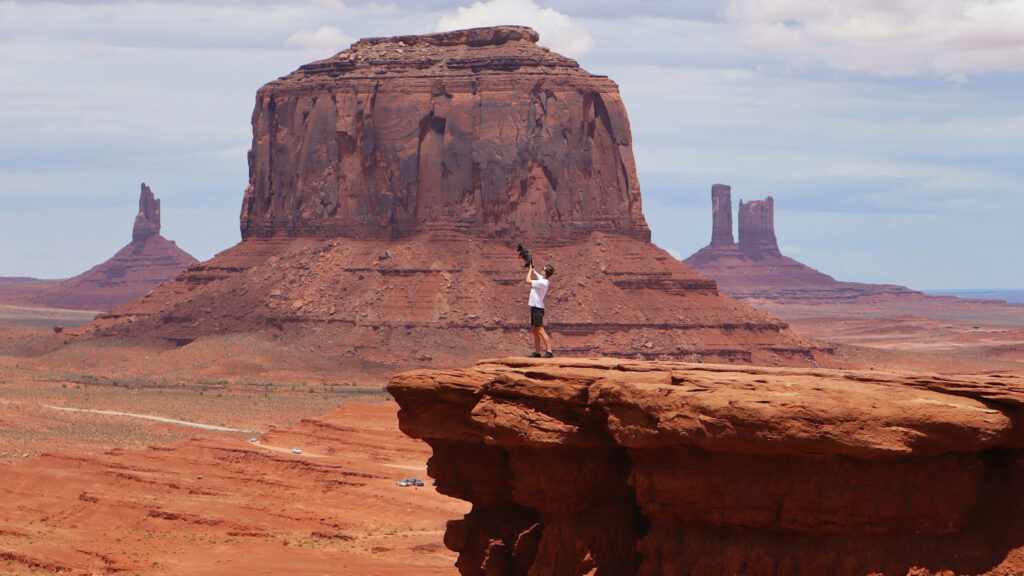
(135, 269)
(140, 266)
(755, 268)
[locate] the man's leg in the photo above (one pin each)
(544, 338)
(537, 331)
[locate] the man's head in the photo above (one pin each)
(548, 270)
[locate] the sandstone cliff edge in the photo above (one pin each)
(605, 466)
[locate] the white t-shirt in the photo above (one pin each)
(538, 288)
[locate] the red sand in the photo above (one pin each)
(220, 504)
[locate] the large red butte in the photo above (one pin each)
(388, 187)
(481, 131)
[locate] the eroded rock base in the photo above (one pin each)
(651, 468)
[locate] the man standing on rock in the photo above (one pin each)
(538, 289)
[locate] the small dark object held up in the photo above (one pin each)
(525, 255)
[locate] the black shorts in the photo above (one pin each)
(536, 316)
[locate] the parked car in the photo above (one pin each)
(410, 482)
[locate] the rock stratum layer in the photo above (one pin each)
(636, 468)
(135, 269)
(479, 131)
(444, 299)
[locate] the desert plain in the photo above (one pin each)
(122, 474)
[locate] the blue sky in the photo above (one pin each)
(891, 134)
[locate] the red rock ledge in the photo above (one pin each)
(602, 466)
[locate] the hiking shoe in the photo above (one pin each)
(548, 354)
(535, 355)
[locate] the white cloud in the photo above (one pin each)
(950, 38)
(557, 31)
(336, 5)
(674, 253)
(376, 8)
(324, 42)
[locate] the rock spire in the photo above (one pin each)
(134, 270)
(756, 223)
(147, 222)
(757, 227)
(755, 268)
(721, 214)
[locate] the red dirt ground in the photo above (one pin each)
(915, 332)
(85, 493)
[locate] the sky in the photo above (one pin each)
(889, 132)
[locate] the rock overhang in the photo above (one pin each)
(742, 409)
(668, 468)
